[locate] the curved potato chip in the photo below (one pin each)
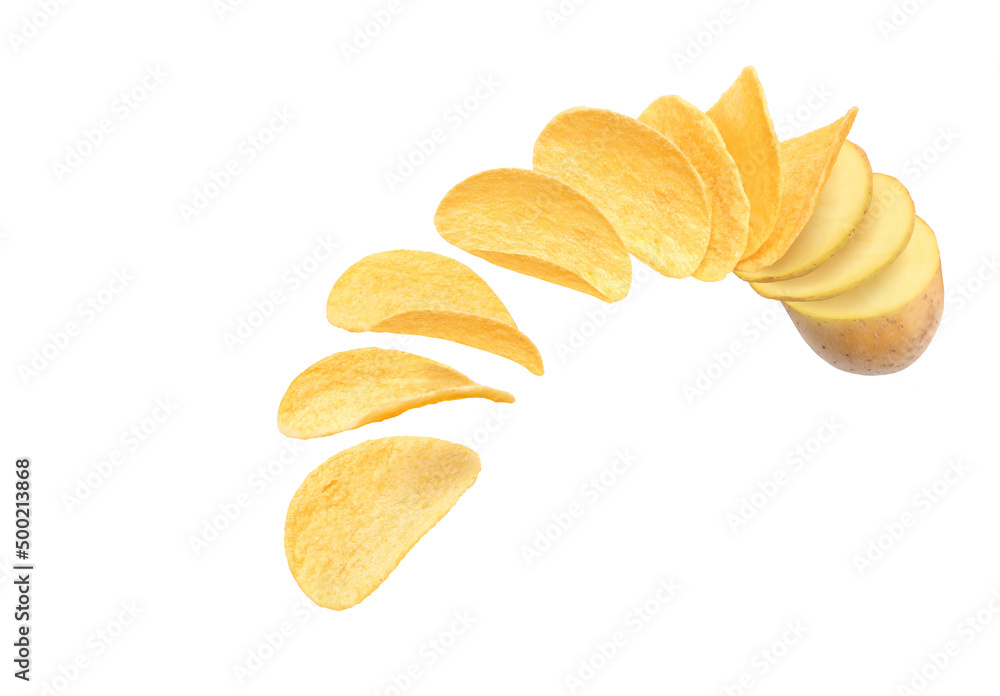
(366, 385)
(808, 161)
(697, 136)
(640, 180)
(359, 513)
(425, 294)
(742, 118)
(536, 225)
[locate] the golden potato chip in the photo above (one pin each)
(697, 136)
(536, 225)
(640, 180)
(424, 294)
(356, 515)
(808, 161)
(366, 385)
(742, 118)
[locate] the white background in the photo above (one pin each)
(621, 389)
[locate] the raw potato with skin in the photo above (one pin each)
(424, 294)
(638, 179)
(742, 118)
(536, 225)
(356, 387)
(698, 138)
(807, 161)
(357, 515)
(885, 324)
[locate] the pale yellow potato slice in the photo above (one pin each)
(742, 117)
(839, 211)
(638, 179)
(534, 224)
(698, 137)
(880, 238)
(425, 294)
(358, 514)
(885, 324)
(808, 161)
(356, 387)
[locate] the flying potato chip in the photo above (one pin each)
(356, 515)
(366, 385)
(808, 161)
(742, 118)
(697, 136)
(536, 225)
(424, 294)
(639, 179)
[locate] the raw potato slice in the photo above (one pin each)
(350, 389)
(536, 225)
(742, 118)
(695, 134)
(808, 161)
(839, 211)
(885, 324)
(880, 238)
(356, 515)
(424, 294)
(640, 180)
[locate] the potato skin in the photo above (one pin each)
(877, 345)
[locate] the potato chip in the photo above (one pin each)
(697, 136)
(640, 180)
(366, 385)
(808, 161)
(356, 515)
(425, 294)
(536, 225)
(742, 118)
